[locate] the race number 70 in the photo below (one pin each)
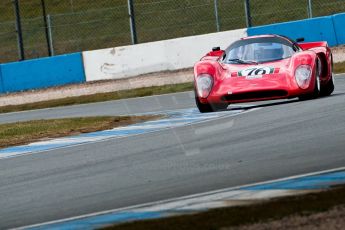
(252, 71)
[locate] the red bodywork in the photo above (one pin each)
(229, 87)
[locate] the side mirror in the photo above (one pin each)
(216, 49)
(300, 40)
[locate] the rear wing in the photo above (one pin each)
(311, 45)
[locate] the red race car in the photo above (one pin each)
(263, 67)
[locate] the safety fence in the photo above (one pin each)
(173, 54)
(39, 28)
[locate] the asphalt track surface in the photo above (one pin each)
(278, 139)
(119, 107)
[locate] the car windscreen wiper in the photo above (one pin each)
(237, 60)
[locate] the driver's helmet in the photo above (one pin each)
(267, 51)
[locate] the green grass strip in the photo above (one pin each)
(339, 67)
(30, 131)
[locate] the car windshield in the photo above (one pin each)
(258, 50)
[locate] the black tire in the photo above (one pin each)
(316, 91)
(221, 106)
(328, 88)
(203, 108)
(209, 108)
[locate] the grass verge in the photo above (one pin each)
(141, 92)
(276, 209)
(27, 132)
(339, 67)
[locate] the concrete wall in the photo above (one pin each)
(128, 61)
(42, 73)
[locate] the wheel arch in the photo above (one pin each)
(324, 65)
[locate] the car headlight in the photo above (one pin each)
(303, 76)
(204, 83)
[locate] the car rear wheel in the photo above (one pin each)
(328, 88)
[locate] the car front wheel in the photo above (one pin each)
(208, 108)
(317, 86)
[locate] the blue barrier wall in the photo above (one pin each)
(315, 29)
(338, 24)
(42, 73)
(1, 85)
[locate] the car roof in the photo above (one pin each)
(248, 39)
(267, 36)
